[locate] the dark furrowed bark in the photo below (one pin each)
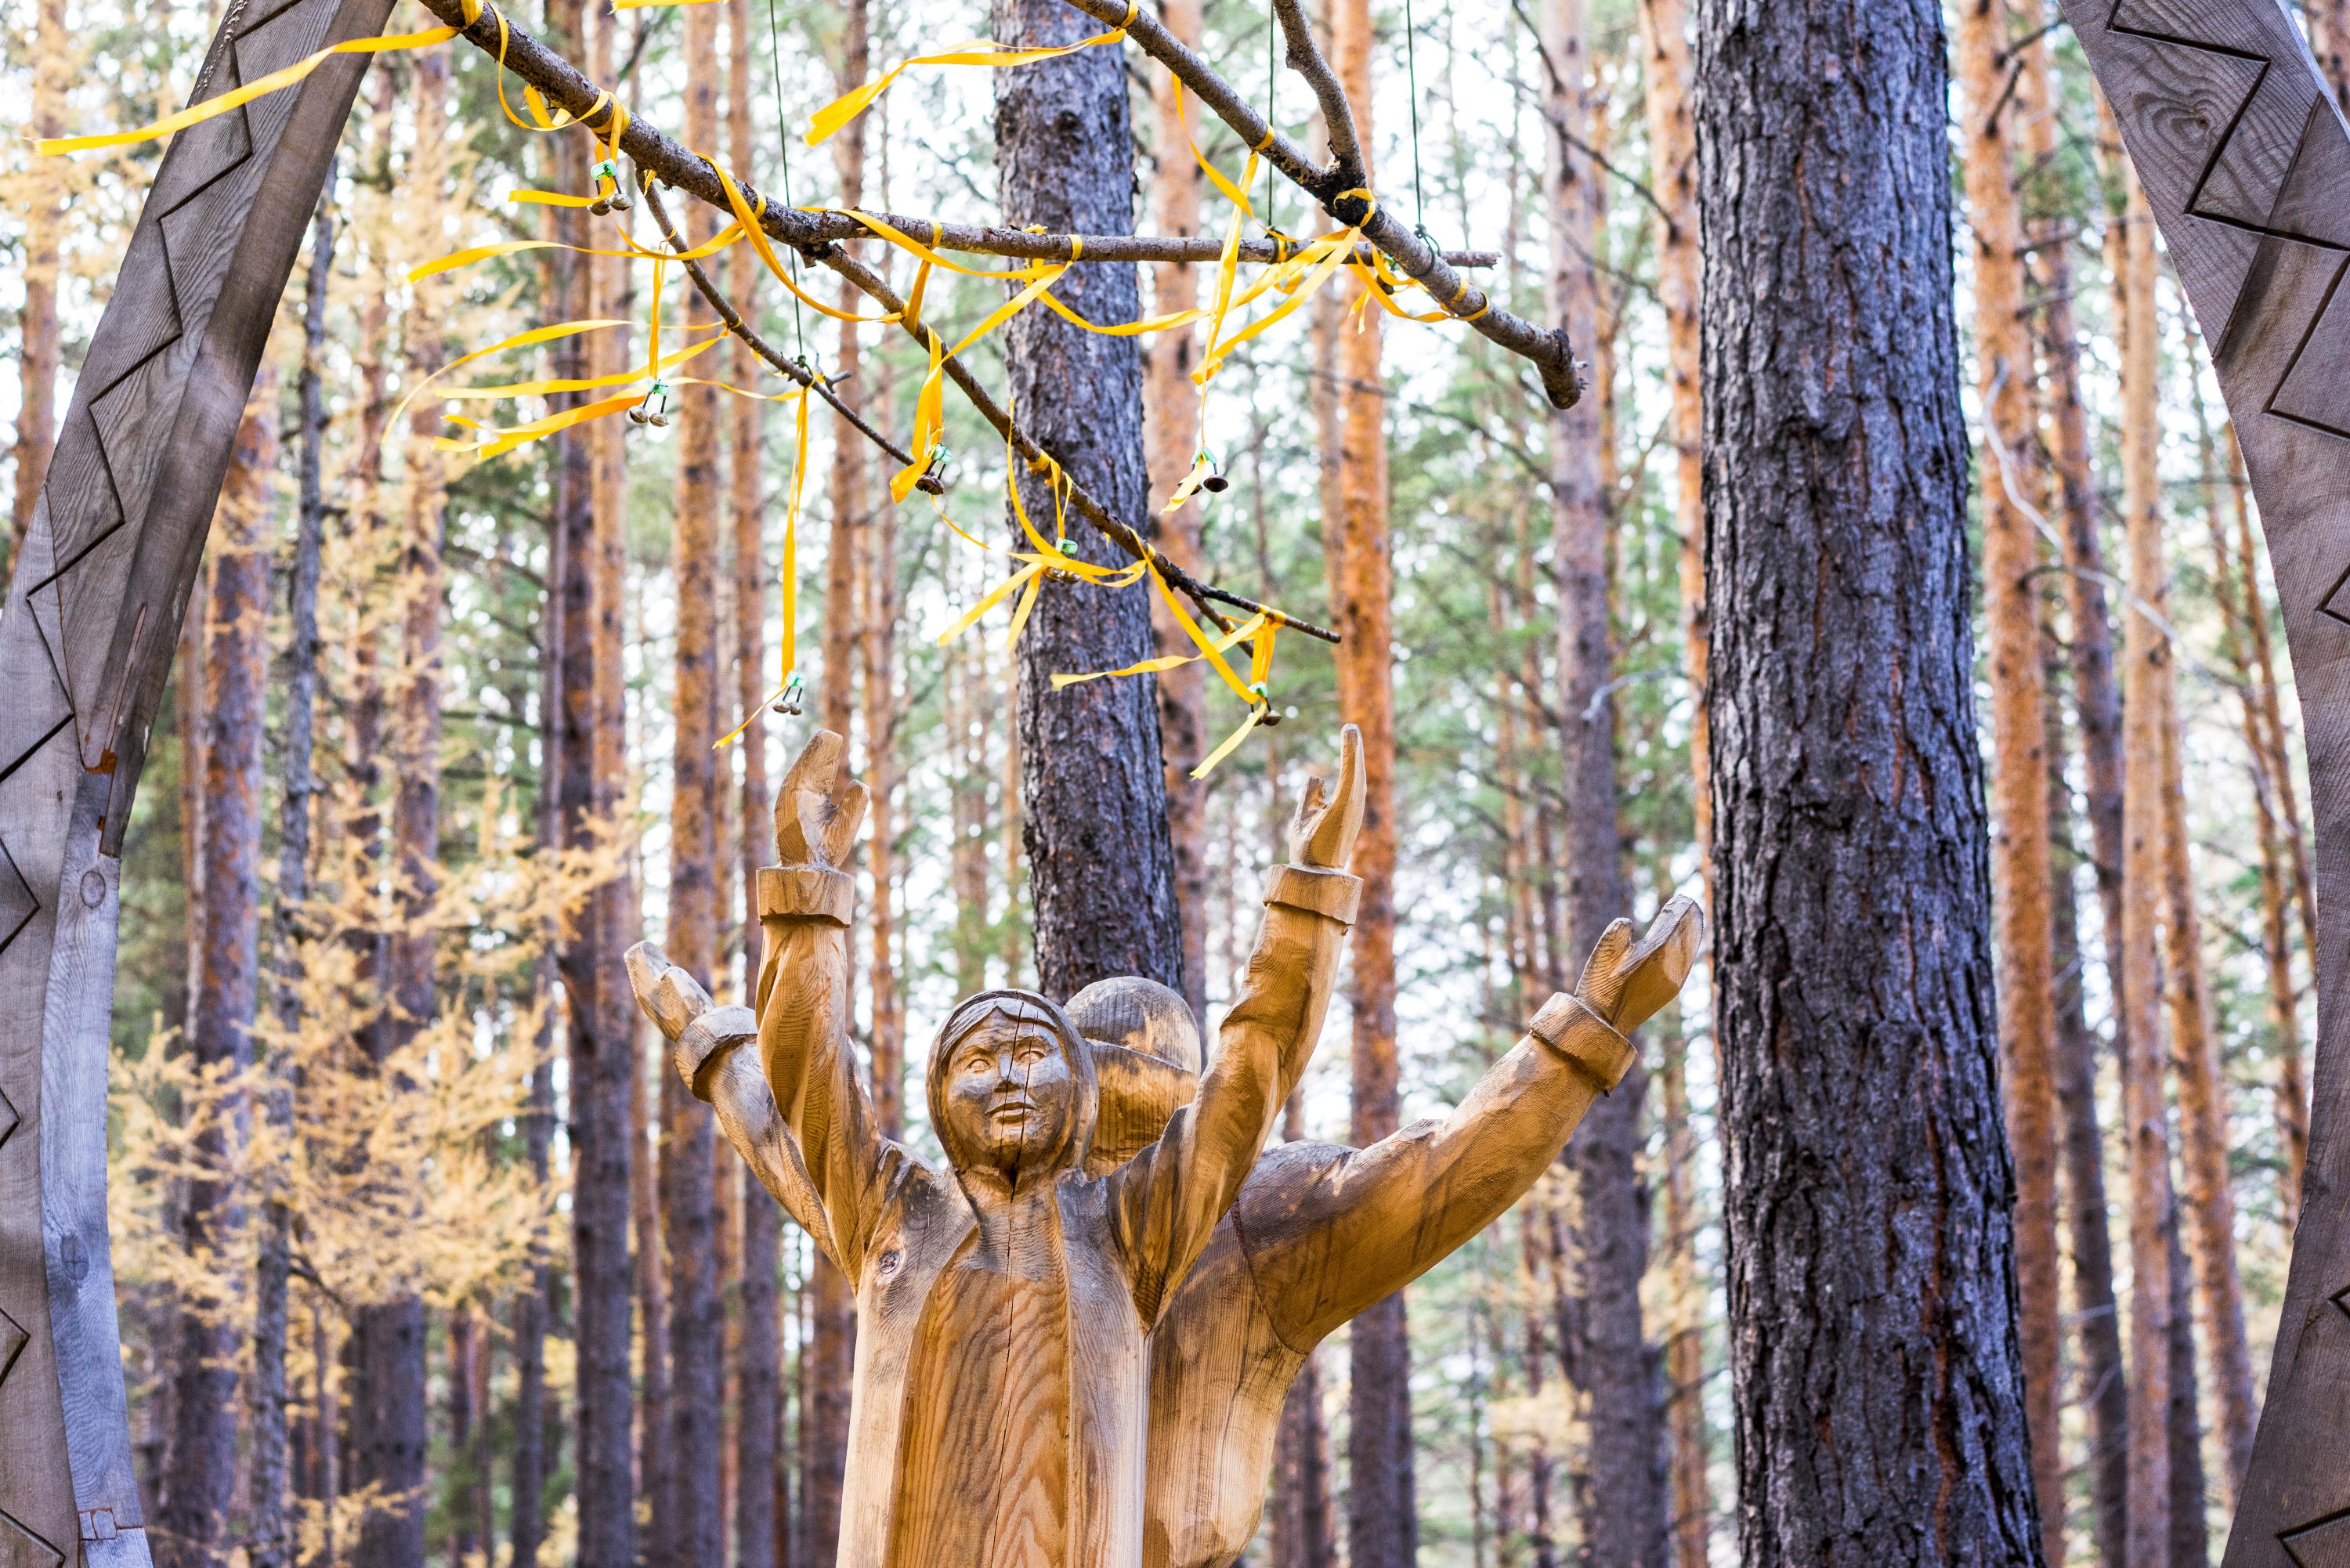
(1872, 1287)
(1101, 870)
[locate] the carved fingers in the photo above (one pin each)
(1327, 819)
(671, 997)
(819, 805)
(1625, 982)
(697, 1029)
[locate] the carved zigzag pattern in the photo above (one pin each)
(2253, 185)
(2277, 169)
(76, 532)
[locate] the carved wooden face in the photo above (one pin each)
(1010, 1095)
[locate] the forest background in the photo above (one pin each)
(350, 1120)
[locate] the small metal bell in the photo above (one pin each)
(654, 409)
(787, 703)
(1068, 548)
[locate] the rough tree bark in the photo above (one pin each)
(1171, 442)
(1382, 1514)
(1622, 1506)
(2145, 1113)
(194, 1521)
(2006, 481)
(36, 318)
(1094, 799)
(1874, 1345)
(600, 1036)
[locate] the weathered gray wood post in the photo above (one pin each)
(2246, 161)
(86, 642)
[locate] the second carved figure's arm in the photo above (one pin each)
(1170, 1196)
(1384, 1215)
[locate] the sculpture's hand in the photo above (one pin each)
(1323, 834)
(818, 806)
(696, 1027)
(1624, 983)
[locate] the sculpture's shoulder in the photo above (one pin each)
(1289, 1193)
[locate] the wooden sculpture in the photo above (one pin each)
(1004, 1304)
(1094, 1160)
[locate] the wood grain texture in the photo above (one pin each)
(2245, 159)
(85, 639)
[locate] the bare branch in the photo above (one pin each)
(792, 369)
(877, 288)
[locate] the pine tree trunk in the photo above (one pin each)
(2097, 707)
(1382, 1513)
(1622, 1505)
(1305, 1533)
(465, 1349)
(877, 651)
(693, 1534)
(194, 1521)
(390, 1419)
(2006, 480)
(2329, 41)
(849, 462)
(1685, 1347)
(1875, 1357)
(2190, 1529)
(758, 1362)
(270, 1534)
(601, 1027)
(1672, 159)
(2275, 802)
(1094, 797)
(2087, 1225)
(36, 318)
(1170, 440)
(2145, 1115)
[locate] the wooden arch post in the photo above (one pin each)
(2246, 159)
(85, 643)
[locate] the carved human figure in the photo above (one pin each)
(1004, 1305)
(1321, 1231)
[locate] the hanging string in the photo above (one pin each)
(1411, 80)
(784, 139)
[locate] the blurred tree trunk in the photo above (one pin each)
(2104, 1386)
(2329, 39)
(1685, 1296)
(877, 651)
(2006, 481)
(1621, 1504)
(270, 1533)
(2098, 706)
(1867, 1180)
(2145, 1116)
(389, 1414)
(601, 1025)
(1305, 1533)
(758, 1390)
(823, 1439)
(37, 318)
(1537, 1223)
(2236, 576)
(1170, 440)
(1382, 1512)
(1093, 793)
(465, 1445)
(694, 1533)
(195, 1520)
(2190, 1526)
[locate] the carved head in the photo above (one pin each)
(1012, 1086)
(1146, 1048)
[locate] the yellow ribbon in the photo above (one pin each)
(971, 52)
(236, 98)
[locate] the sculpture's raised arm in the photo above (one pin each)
(1384, 1215)
(808, 1128)
(707, 1044)
(1169, 1197)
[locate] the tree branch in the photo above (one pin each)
(792, 369)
